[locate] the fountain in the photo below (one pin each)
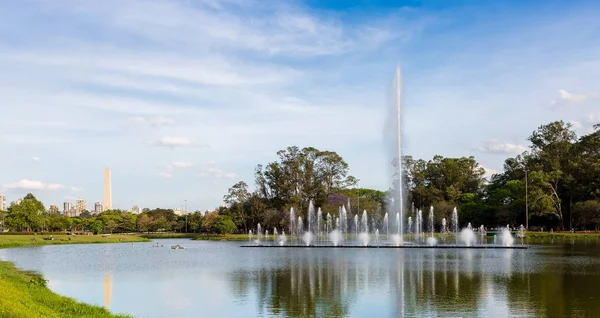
(250, 235)
(506, 237)
(444, 228)
(333, 230)
(454, 221)
(363, 237)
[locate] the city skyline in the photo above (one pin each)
(181, 117)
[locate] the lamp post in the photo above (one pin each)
(526, 202)
(186, 215)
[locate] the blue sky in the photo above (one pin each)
(181, 99)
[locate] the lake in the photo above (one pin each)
(220, 279)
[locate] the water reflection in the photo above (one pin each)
(416, 283)
(107, 290)
(219, 279)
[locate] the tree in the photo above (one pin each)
(26, 214)
(236, 198)
(224, 225)
(550, 147)
(209, 221)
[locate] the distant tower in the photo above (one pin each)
(107, 190)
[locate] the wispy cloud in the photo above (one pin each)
(496, 147)
(216, 173)
(180, 164)
(26, 184)
(36, 159)
(155, 121)
(571, 98)
(165, 175)
(172, 142)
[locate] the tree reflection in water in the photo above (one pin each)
(339, 283)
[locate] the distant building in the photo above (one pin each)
(2, 202)
(179, 212)
(66, 207)
(135, 209)
(53, 208)
(98, 208)
(80, 206)
(72, 212)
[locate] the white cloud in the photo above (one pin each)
(165, 175)
(172, 142)
(489, 172)
(154, 121)
(36, 159)
(571, 98)
(501, 148)
(216, 173)
(25, 184)
(180, 164)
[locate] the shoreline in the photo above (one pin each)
(25, 293)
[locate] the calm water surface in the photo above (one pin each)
(220, 279)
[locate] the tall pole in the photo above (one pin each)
(526, 202)
(186, 215)
(358, 198)
(399, 124)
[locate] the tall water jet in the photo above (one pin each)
(444, 226)
(250, 235)
(343, 220)
(399, 137)
(311, 217)
(258, 232)
(319, 221)
(292, 225)
(364, 222)
(393, 139)
(482, 230)
(275, 231)
(329, 223)
(266, 235)
(299, 226)
(410, 225)
(431, 226)
(454, 221)
(363, 237)
(356, 224)
(419, 224)
(386, 224)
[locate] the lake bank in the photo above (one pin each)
(25, 294)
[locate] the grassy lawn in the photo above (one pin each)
(24, 294)
(7, 241)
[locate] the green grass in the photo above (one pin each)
(7, 241)
(169, 235)
(24, 294)
(565, 235)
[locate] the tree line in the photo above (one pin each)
(29, 215)
(553, 185)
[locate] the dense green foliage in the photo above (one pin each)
(24, 294)
(562, 186)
